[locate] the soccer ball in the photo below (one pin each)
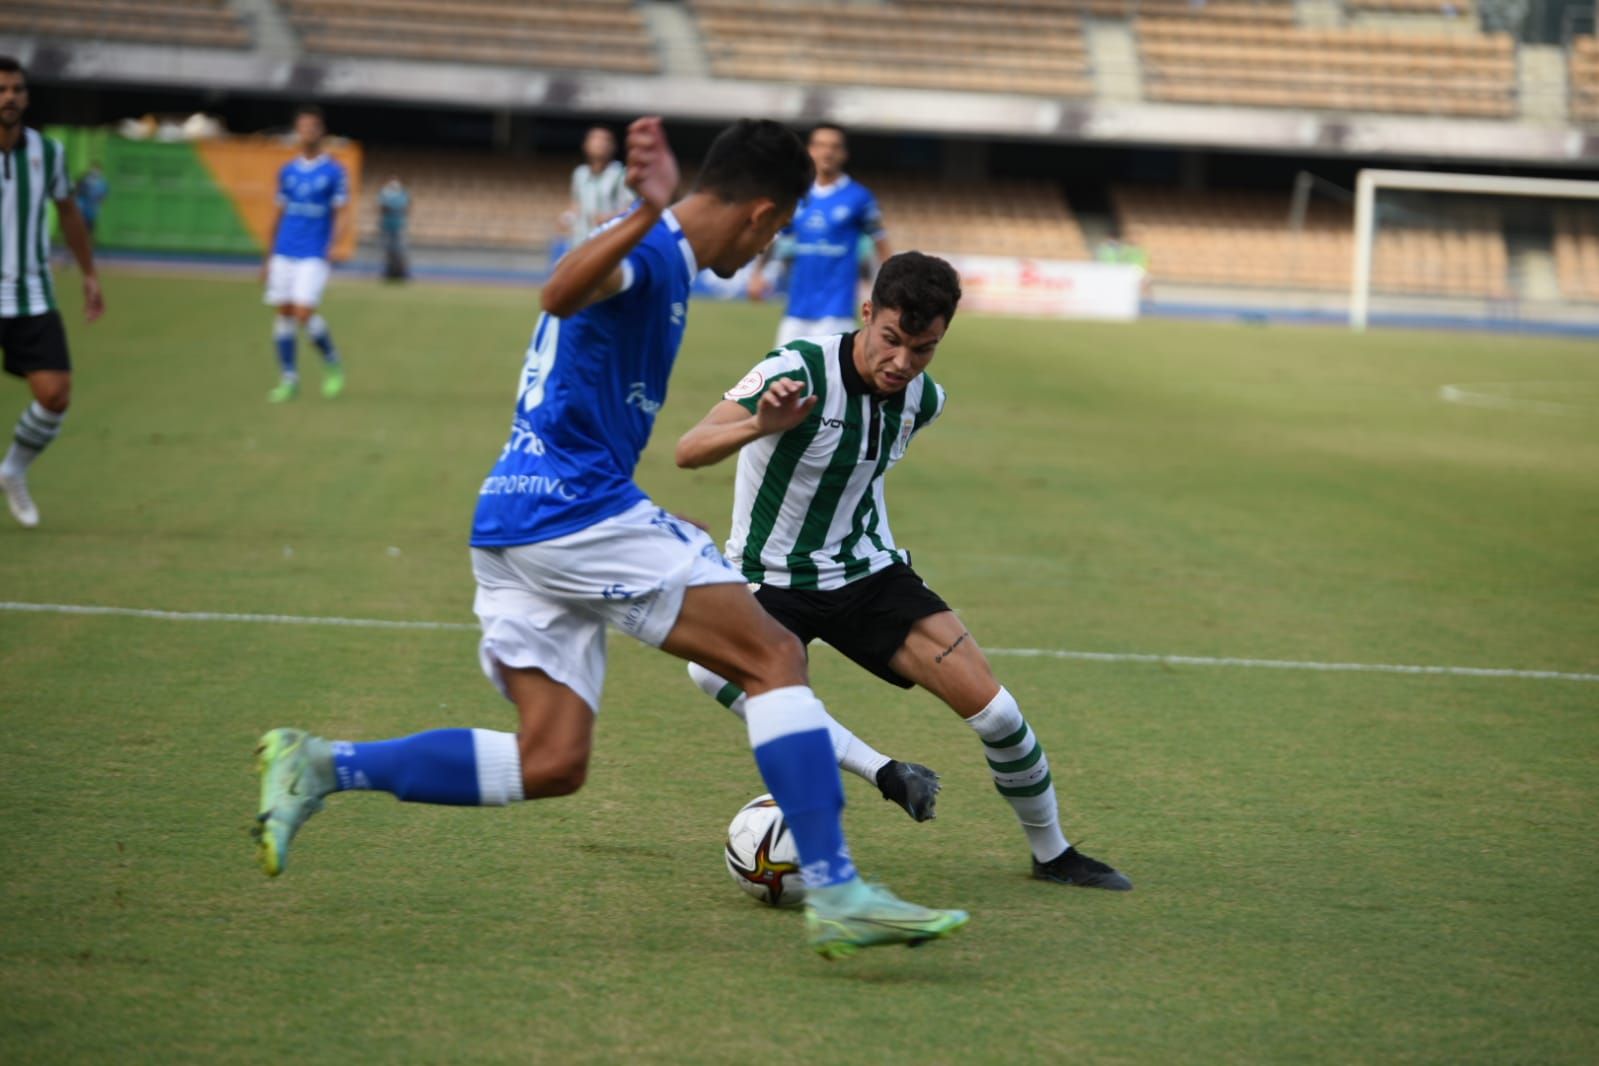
(761, 856)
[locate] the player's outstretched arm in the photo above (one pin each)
(728, 426)
(593, 270)
(76, 232)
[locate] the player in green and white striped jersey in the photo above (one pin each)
(817, 425)
(33, 171)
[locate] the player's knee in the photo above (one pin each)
(546, 774)
(303, 314)
(55, 396)
(779, 661)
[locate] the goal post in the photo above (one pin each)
(1369, 182)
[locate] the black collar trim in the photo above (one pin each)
(853, 383)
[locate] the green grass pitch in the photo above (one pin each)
(1331, 867)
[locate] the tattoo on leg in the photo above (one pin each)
(951, 649)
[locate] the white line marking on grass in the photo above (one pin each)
(1019, 653)
(1289, 664)
(1501, 395)
(214, 616)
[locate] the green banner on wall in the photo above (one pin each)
(214, 197)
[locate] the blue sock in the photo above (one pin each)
(283, 336)
(459, 767)
(795, 755)
(317, 327)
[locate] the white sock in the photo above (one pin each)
(316, 327)
(499, 767)
(37, 427)
(1021, 773)
(853, 753)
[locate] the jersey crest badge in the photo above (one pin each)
(748, 386)
(907, 425)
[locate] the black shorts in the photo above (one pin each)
(36, 342)
(867, 621)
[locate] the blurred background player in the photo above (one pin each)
(313, 198)
(816, 427)
(564, 543)
(90, 192)
(394, 210)
(828, 227)
(599, 186)
(33, 169)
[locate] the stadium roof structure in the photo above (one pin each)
(976, 114)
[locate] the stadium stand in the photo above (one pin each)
(1020, 218)
(577, 34)
(1576, 247)
(1441, 8)
(1252, 11)
(469, 199)
(1243, 238)
(1247, 12)
(979, 47)
(1420, 13)
(483, 200)
(196, 23)
(1583, 72)
(1202, 58)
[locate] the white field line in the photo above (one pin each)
(214, 616)
(1020, 653)
(1500, 395)
(1291, 664)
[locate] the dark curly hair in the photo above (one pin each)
(922, 288)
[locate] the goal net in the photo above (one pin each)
(1500, 250)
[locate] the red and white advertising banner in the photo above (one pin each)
(1048, 287)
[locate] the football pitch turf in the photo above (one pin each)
(1330, 866)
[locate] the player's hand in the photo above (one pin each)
(93, 298)
(651, 166)
(782, 407)
(759, 286)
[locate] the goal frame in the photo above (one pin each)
(1370, 180)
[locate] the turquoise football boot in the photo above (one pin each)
(296, 771)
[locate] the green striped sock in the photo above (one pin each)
(1021, 773)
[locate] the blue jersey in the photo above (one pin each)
(591, 386)
(309, 190)
(827, 230)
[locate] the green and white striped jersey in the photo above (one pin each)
(30, 174)
(808, 507)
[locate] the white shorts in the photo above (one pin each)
(546, 605)
(295, 281)
(794, 328)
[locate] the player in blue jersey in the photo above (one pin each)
(313, 197)
(826, 233)
(565, 543)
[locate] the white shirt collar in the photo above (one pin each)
(682, 242)
(819, 190)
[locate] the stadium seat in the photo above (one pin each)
(1582, 64)
(1244, 238)
(1218, 60)
(576, 34)
(481, 200)
(195, 23)
(1576, 248)
(1038, 51)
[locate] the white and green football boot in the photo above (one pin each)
(869, 916)
(296, 772)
